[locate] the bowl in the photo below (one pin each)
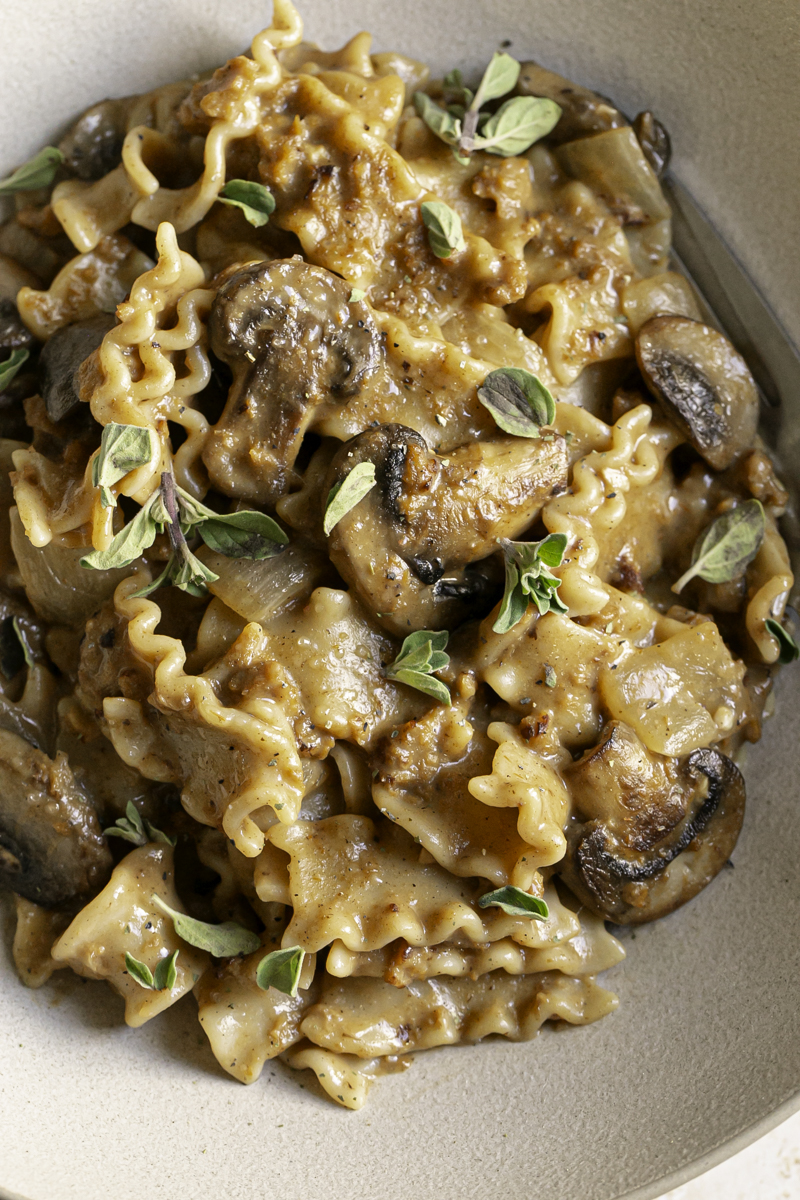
(702, 1055)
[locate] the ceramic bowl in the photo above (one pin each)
(702, 1055)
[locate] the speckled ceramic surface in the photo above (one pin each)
(703, 1050)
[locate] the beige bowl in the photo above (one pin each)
(703, 1054)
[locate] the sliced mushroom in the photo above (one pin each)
(413, 547)
(703, 385)
(51, 847)
(654, 140)
(15, 336)
(293, 342)
(93, 146)
(652, 831)
(583, 112)
(61, 359)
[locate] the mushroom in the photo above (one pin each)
(15, 336)
(61, 358)
(583, 112)
(413, 547)
(654, 140)
(51, 847)
(93, 146)
(293, 341)
(658, 829)
(702, 384)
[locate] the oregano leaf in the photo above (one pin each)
(726, 548)
(128, 545)
(346, 494)
(445, 234)
(166, 972)
(516, 903)
(499, 78)
(789, 650)
(517, 124)
(123, 448)
(421, 654)
(281, 969)
(37, 172)
(439, 120)
(11, 365)
(223, 941)
(518, 401)
(254, 199)
(246, 534)
(140, 972)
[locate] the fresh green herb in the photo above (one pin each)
(445, 234)
(421, 655)
(517, 124)
(37, 172)
(281, 969)
(256, 201)
(356, 295)
(444, 124)
(345, 495)
(10, 366)
(516, 903)
(499, 78)
(727, 546)
(163, 980)
(789, 650)
(550, 677)
(245, 534)
(223, 941)
(528, 577)
(518, 401)
(123, 448)
(135, 828)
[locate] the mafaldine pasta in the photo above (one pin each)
(390, 563)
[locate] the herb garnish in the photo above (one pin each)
(789, 650)
(133, 827)
(518, 401)
(37, 172)
(161, 980)
(281, 969)
(516, 903)
(421, 654)
(731, 542)
(245, 534)
(445, 235)
(254, 199)
(528, 577)
(516, 125)
(123, 448)
(346, 494)
(11, 365)
(356, 295)
(223, 941)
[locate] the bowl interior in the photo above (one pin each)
(703, 1046)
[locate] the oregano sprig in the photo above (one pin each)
(223, 941)
(281, 969)
(253, 199)
(135, 828)
(517, 124)
(347, 493)
(37, 172)
(528, 577)
(516, 903)
(421, 656)
(244, 534)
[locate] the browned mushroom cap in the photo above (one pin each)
(582, 112)
(93, 146)
(409, 546)
(654, 140)
(703, 385)
(51, 847)
(61, 358)
(658, 831)
(293, 341)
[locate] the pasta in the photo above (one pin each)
(392, 569)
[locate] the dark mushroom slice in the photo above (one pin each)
(61, 358)
(583, 112)
(651, 832)
(93, 146)
(654, 140)
(293, 341)
(414, 547)
(14, 335)
(51, 847)
(703, 385)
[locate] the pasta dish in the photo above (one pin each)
(390, 562)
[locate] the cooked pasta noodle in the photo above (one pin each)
(241, 280)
